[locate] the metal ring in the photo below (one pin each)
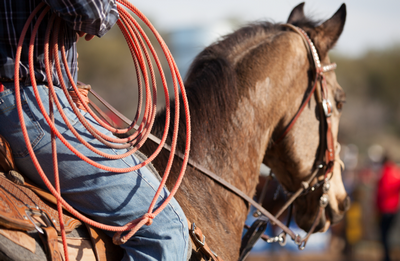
(302, 245)
(257, 213)
(28, 215)
(282, 239)
(297, 239)
(324, 200)
(327, 186)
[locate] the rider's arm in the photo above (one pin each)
(94, 17)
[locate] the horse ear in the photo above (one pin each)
(297, 14)
(328, 32)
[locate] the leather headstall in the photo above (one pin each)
(327, 156)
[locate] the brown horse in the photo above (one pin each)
(243, 91)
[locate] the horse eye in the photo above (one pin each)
(339, 105)
(340, 98)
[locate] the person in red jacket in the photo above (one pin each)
(388, 197)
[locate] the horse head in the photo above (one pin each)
(302, 150)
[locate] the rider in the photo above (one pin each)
(110, 198)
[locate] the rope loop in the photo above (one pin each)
(143, 56)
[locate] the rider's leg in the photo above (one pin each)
(111, 198)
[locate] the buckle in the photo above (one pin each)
(327, 106)
(37, 212)
(194, 236)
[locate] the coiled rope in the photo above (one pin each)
(137, 42)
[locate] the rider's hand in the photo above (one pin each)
(88, 37)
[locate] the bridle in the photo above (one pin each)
(325, 159)
(325, 106)
(324, 163)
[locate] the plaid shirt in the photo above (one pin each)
(90, 16)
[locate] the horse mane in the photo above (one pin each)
(212, 78)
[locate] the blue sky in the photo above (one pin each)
(370, 23)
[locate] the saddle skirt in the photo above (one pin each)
(26, 210)
(22, 209)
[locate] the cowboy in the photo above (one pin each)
(109, 198)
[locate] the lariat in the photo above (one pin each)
(143, 53)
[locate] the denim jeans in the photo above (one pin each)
(110, 198)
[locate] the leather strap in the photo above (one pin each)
(199, 240)
(6, 159)
(251, 237)
(103, 247)
(50, 241)
(99, 248)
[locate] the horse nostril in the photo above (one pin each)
(345, 205)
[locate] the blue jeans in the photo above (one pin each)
(110, 198)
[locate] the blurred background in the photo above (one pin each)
(368, 58)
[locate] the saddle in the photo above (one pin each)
(27, 212)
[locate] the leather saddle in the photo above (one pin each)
(26, 210)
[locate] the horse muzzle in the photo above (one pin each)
(337, 216)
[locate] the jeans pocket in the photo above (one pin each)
(10, 126)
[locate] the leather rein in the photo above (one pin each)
(327, 141)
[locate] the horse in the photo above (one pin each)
(243, 92)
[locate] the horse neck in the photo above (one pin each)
(235, 149)
(233, 143)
